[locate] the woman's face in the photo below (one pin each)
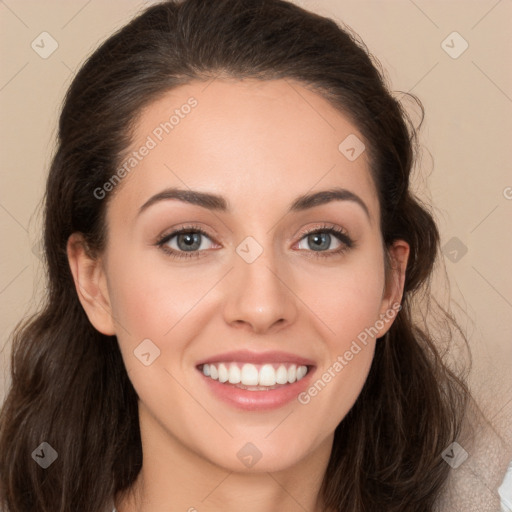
(247, 292)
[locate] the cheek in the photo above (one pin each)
(158, 303)
(348, 298)
(150, 299)
(348, 301)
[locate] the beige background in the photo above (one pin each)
(466, 139)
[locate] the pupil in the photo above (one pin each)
(318, 238)
(189, 240)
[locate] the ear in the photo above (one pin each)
(91, 284)
(398, 255)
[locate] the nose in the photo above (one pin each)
(260, 298)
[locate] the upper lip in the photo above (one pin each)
(246, 356)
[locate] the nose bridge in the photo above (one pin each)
(257, 293)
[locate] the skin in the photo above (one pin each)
(256, 143)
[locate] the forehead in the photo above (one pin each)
(248, 140)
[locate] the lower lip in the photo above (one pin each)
(257, 400)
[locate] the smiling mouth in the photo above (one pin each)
(255, 377)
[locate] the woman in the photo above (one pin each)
(234, 257)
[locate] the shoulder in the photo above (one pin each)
(474, 482)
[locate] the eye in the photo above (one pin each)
(186, 242)
(319, 240)
(192, 241)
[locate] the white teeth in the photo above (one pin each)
(234, 374)
(251, 375)
(267, 375)
(301, 371)
(223, 373)
(282, 375)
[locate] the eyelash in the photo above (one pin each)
(344, 239)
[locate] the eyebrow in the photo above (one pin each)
(219, 203)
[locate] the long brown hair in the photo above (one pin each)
(69, 384)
